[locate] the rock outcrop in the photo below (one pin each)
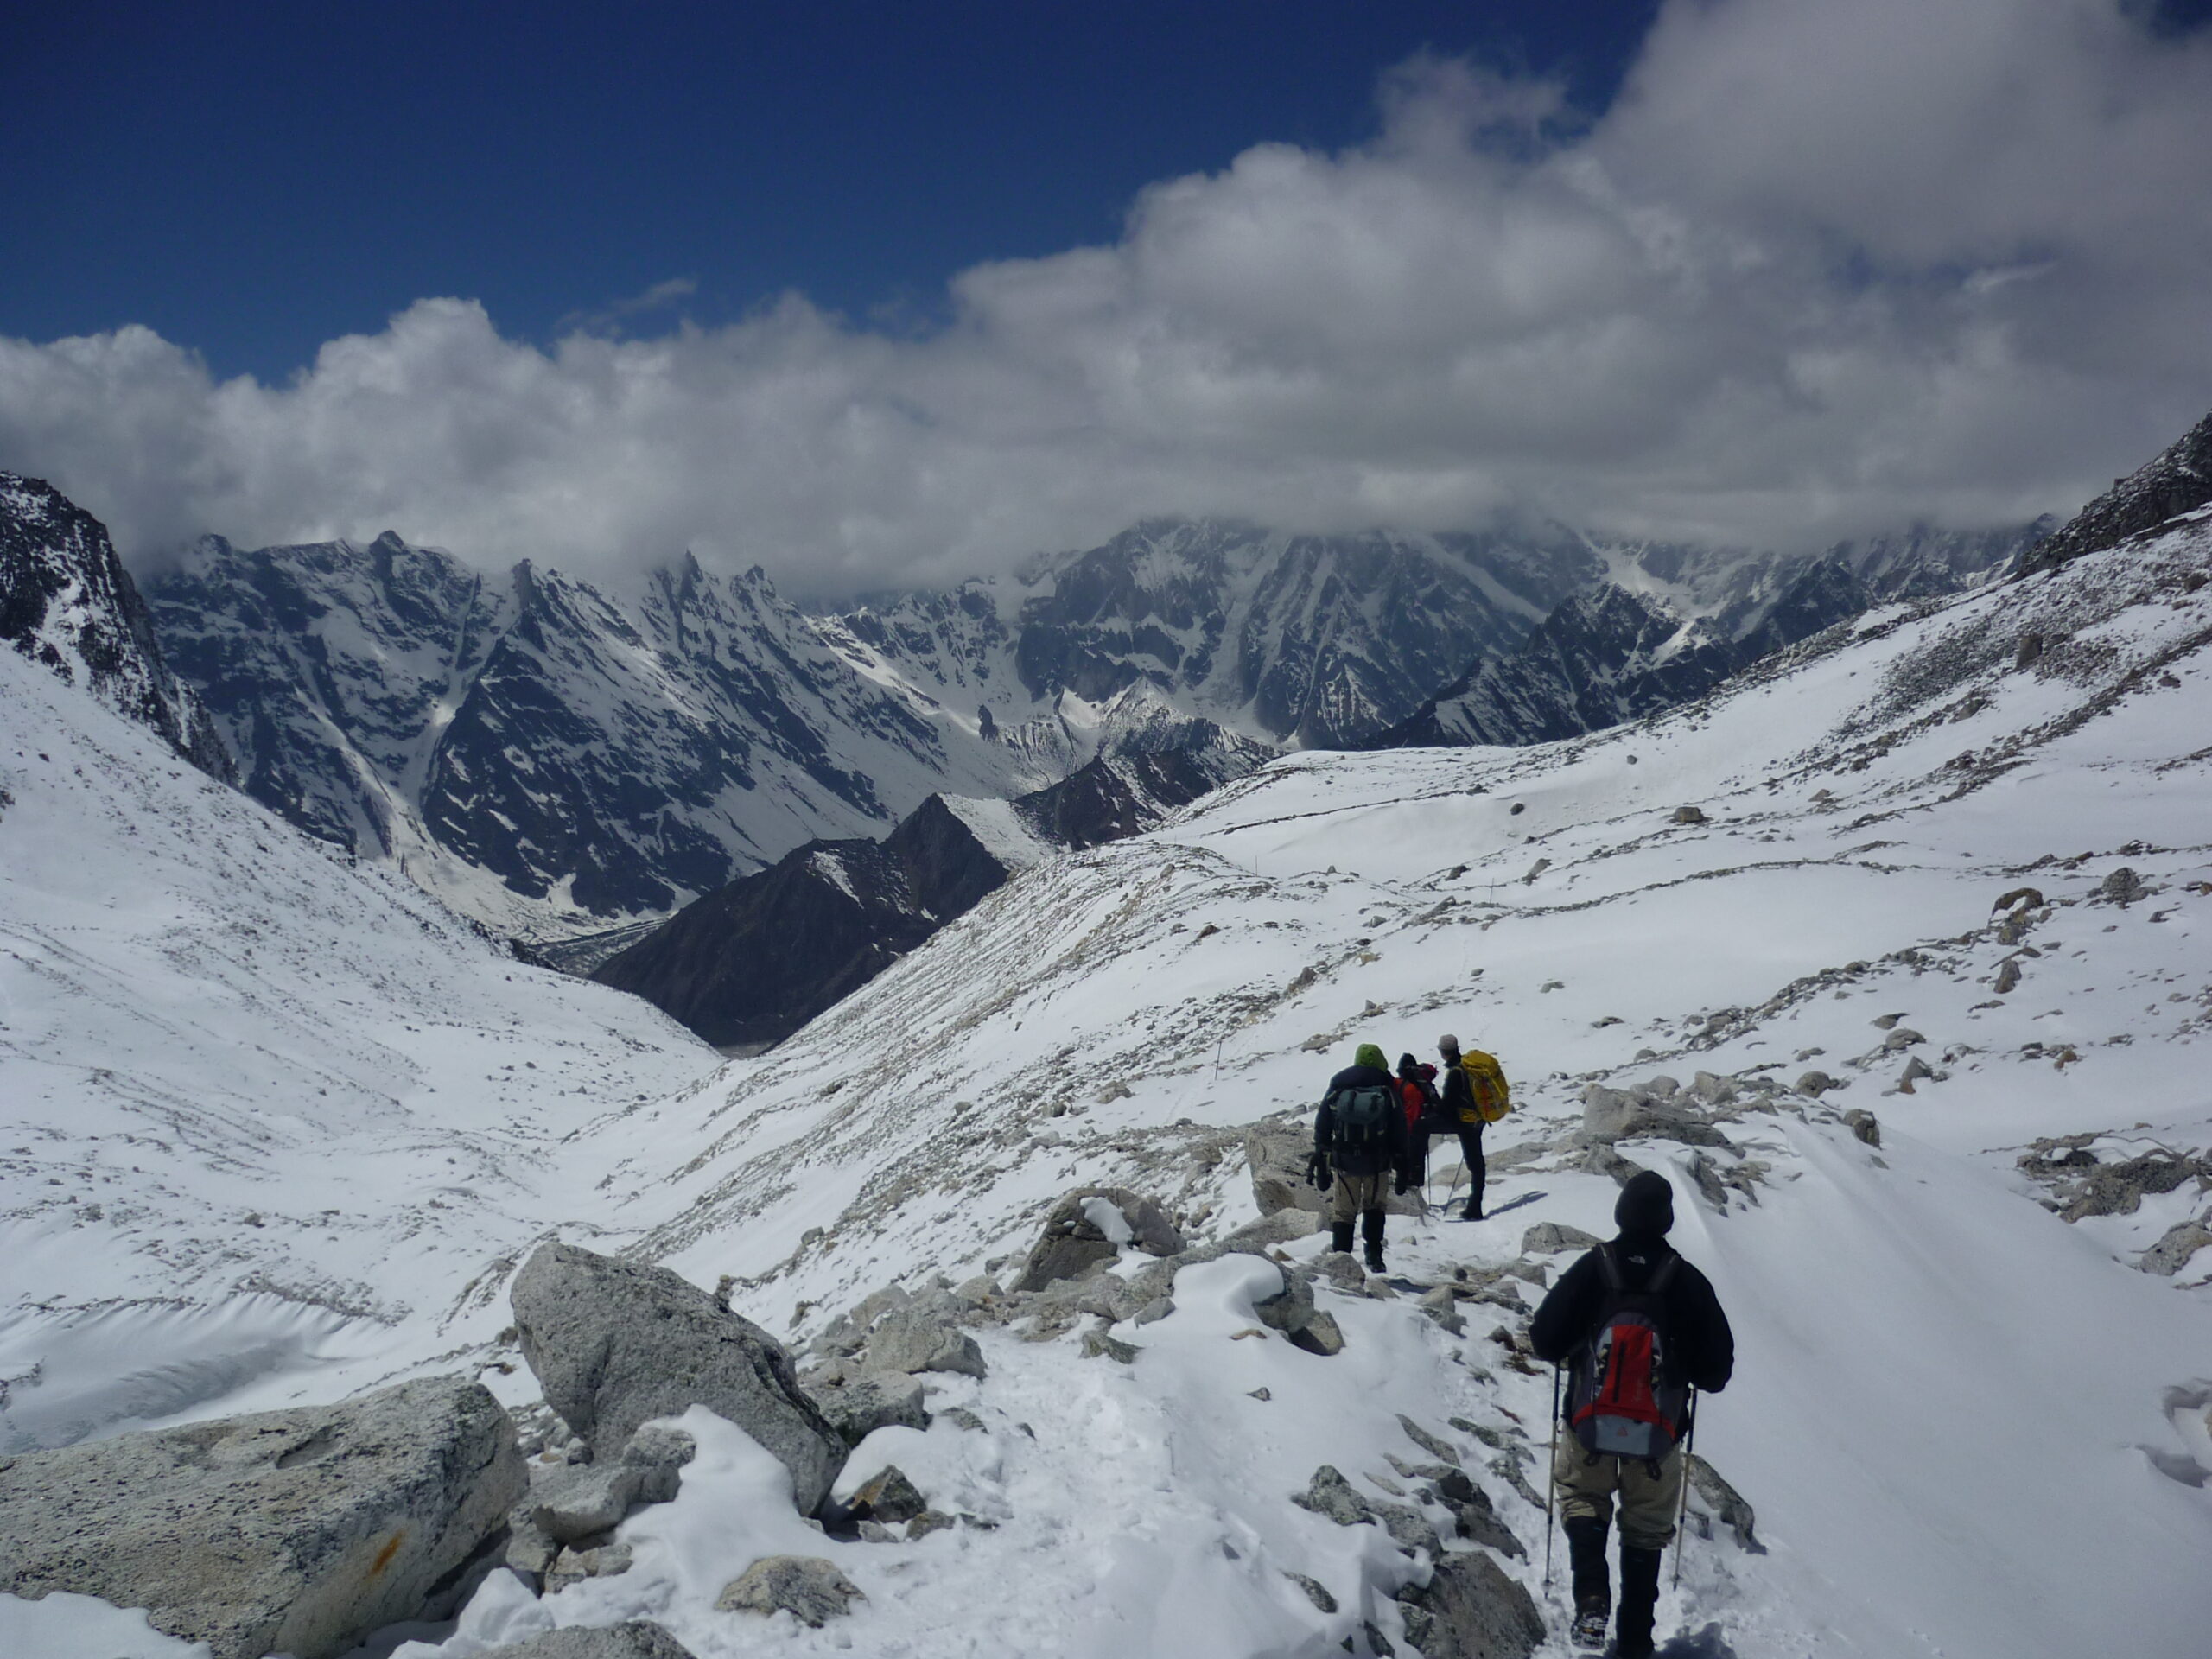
(1470, 1609)
(615, 1342)
(1087, 1229)
(295, 1532)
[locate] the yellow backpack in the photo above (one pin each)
(1486, 1082)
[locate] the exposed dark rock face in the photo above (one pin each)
(621, 756)
(752, 962)
(2178, 481)
(1611, 655)
(65, 601)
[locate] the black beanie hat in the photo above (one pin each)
(1646, 1205)
(1408, 1066)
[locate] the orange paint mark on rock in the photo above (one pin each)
(384, 1555)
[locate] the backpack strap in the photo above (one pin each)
(1610, 1268)
(1662, 1275)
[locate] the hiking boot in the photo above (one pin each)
(1371, 1225)
(1473, 1211)
(1340, 1237)
(1639, 1600)
(1588, 1633)
(1592, 1585)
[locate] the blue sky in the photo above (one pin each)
(252, 180)
(937, 288)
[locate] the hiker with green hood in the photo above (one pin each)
(1360, 1146)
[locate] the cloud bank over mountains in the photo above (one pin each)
(1818, 268)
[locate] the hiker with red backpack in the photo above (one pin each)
(1474, 1097)
(1359, 1146)
(1641, 1333)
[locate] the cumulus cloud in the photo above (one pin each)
(1821, 269)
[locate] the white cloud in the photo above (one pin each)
(1822, 268)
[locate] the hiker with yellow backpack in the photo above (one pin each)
(1475, 1096)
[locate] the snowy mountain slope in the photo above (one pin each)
(2015, 1471)
(262, 1107)
(539, 753)
(67, 603)
(750, 963)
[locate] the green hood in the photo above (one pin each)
(1370, 1055)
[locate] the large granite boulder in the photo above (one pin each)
(295, 1532)
(617, 1343)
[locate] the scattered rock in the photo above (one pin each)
(2174, 1249)
(927, 1521)
(1316, 1591)
(1441, 1306)
(1550, 1237)
(1470, 1609)
(809, 1588)
(1903, 1037)
(1096, 1345)
(1087, 1228)
(574, 1565)
(890, 1497)
(857, 1408)
(1816, 1083)
(1333, 1497)
(1283, 1227)
(1884, 1021)
(2117, 1189)
(1155, 1310)
(1290, 1309)
(2019, 898)
(283, 1531)
(1726, 1504)
(1861, 1123)
(1329, 1496)
(922, 1336)
(1319, 1335)
(1473, 1513)
(581, 1499)
(1435, 1445)
(637, 1638)
(2008, 975)
(1689, 815)
(1654, 1111)
(2122, 887)
(616, 1342)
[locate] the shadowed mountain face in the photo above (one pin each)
(67, 603)
(526, 734)
(2177, 481)
(751, 963)
(1613, 654)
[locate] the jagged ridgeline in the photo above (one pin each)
(556, 757)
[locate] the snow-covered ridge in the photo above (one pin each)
(1863, 804)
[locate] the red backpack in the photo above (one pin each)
(1623, 1396)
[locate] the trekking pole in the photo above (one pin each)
(1682, 1502)
(1551, 1462)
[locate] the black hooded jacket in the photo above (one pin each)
(1388, 1156)
(1696, 1329)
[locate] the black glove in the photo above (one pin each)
(1404, 1184)
(1317, 1171)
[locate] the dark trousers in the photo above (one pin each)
(1471, 1153)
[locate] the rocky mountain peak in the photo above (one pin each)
(2177, 481)
(67, 603)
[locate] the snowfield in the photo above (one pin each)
(1969, 1427)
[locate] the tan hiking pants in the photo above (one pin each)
(1351, 1195)
(1588, 1484)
